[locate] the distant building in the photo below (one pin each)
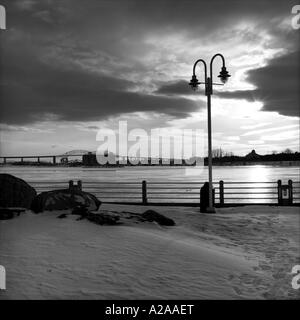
(252, 156)
(89, 159)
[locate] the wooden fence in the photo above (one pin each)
(226, 193)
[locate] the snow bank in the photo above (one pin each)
(245, 252)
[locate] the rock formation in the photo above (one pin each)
(15, 192)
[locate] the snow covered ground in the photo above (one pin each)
(239, 253)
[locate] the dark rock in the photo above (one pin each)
(6, 214)
(151, 215)
(62, 216)
(15, 192)
(63, 200)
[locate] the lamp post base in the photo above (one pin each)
(210, 210)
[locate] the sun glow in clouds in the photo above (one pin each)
(236, 109)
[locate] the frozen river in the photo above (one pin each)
(258, 173)
(181, 184)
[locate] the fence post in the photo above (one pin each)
(79, 185)
(279, 183)
(144, 192)
(290, 183)
(72, 189)
(71, 185)
(221, 188)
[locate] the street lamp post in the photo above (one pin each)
(208, 81)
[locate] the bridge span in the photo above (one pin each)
(53, 158)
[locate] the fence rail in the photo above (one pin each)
(185, 193)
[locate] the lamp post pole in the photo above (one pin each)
(211, 206)
(194, 83)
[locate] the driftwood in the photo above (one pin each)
(105, 217)
(151, 215)
(97, 217)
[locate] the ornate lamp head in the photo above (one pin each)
(194, 83)
(224, 75)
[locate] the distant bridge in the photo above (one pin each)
(54, 158)
(119, 159)
(38, 158)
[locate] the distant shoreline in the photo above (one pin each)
(256, 163)
(215, 163)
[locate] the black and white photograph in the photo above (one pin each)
(149, 150)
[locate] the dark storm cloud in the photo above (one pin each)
(31, 90)
(192, 14)
(33, 87)
(277, 85)
(178, 87)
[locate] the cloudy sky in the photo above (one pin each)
(71, 67)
